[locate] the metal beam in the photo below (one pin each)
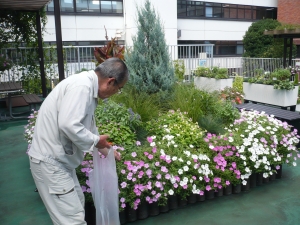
(60, 57)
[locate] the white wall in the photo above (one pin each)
(212, 29)
(91, 28)
(167, 10)
(80, 28)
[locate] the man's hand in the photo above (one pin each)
(103, 142)
(117, 155)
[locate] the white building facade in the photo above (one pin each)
(221, 22)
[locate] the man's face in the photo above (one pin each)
(108, 87)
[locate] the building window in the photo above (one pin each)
(88, 6)
(220, 49)
(200, 9)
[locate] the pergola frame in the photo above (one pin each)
(286, 35)
(35, 6)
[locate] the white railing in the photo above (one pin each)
(77, 58)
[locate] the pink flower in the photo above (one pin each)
(164, 169)
(133, 154)
(149, 139)
(154, 150)
(217, 179)
(150, 156)
(157, 164)
(208, 188)
(138, 143)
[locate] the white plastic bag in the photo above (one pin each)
(104, 187)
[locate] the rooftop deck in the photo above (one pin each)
(275, 203)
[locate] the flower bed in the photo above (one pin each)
(180, 159)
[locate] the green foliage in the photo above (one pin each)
(280, 79)
(211, 123)
(142, 103)
(149, 63)
(199, 104)
(118, 122)
(256, 43)
(296, 80)
(19, 26)
(284, 85)
(189, 99)
(178, 125)
(238, 83)
(179, 69)
(215, 72)
(227, 113)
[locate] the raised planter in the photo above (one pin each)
(212, 84)
(268, 95)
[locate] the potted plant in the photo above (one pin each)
(271, 88)
(212, 79)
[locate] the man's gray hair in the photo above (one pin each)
(113, 67)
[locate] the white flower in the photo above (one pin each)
(180, 160)
(180, 171)
(244, 182)
(188, 162)
(152, 144)
(171, 192)
(191, 146)
(186, 168)
(294, 164)
(174, 158)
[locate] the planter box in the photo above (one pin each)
(212, 84)
(268, 95)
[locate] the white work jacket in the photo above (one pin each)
(65, 125)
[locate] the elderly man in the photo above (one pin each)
(65, 128)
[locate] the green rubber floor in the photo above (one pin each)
(274, 203)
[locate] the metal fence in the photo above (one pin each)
(77, 58)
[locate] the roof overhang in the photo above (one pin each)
(24, 5)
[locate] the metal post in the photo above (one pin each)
(291, 51)
(60, 58)
(78, 55)
(284, 52)
(41, 54)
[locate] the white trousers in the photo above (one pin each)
(60, 192)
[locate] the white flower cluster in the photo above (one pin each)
(261, 141)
